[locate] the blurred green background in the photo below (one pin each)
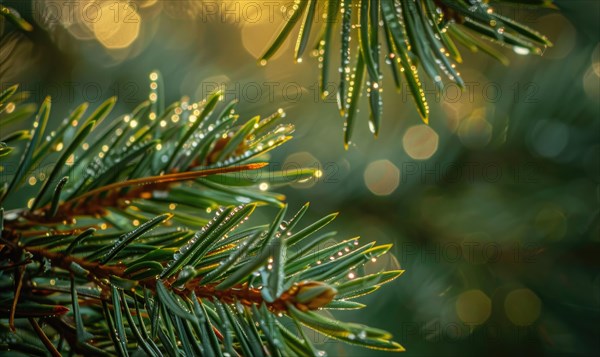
(493, 208)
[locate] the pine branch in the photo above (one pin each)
(135, 252)
(240, 292)
(97, 200)
(419, 34)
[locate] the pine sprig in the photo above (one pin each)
(144, 243)
(418, 34)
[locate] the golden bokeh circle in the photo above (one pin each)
(382, 177)
(420, 142)
(522, 307)
(117, 25)
(473, 307)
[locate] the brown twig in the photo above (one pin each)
(175, 177)
(241, 292)
(83, 205)
(49, 345)
(18, 287)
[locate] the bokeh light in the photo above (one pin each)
(117, 25)
(473, 307)
(591, 81)
(551, 222)
(549, 138)
(522, 307)
(382, 177)
(420, 142)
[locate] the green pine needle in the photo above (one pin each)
(151, 245)
(419, 34)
